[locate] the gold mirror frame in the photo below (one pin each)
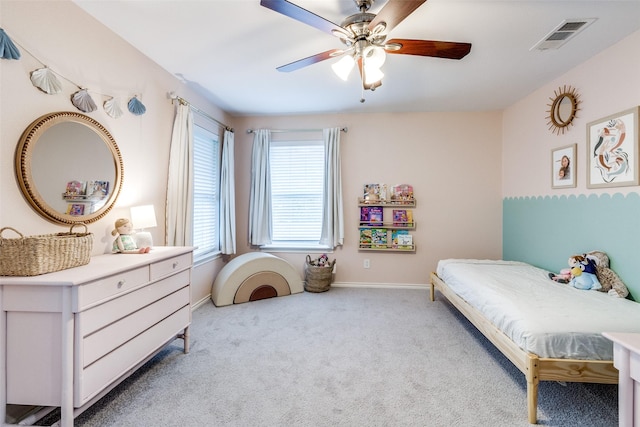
(563, 109)
(29, 142)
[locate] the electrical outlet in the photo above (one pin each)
(367, 263)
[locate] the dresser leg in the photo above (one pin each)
(185, 337)
(66, 407)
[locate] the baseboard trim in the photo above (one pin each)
(200, 303)
(380, 285)
(207, 298)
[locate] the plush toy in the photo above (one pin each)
(583, 273)
(610, 281)
(322, 261)
(563, 277)
(125, 243)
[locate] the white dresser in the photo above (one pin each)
(626, 358)
(72, 335)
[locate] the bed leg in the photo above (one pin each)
(532, 390)
(433, 288)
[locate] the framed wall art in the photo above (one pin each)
(563, 167)
(612, 150)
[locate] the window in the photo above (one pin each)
(206, 191)
(297, 175)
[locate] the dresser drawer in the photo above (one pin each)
(117, 363)
(113, 336)
(102, 315)
(109, 287)
(169, 266)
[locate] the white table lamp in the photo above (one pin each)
(143, 217)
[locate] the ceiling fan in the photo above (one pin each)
(364, 36)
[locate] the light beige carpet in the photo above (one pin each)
(347, 357)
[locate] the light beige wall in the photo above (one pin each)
(607, 83)
(453, 161)
(72, 43)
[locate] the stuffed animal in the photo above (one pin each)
(610, 281)
(583, 273)
(124, 243)
(322, 261)
(563, 277)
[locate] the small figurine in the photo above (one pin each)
(125, 243)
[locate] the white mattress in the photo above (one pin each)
(541, 316)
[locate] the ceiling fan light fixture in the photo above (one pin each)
(372, 75)
(343, 67)
(374, 56)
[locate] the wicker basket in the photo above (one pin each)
(317, 279)
(34, 255)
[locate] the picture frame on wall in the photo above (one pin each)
(563, 167)
(612, 150)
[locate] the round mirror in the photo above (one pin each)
(563, 109)
(69, 168)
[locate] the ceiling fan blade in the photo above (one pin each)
(394, 12)
(296, 65)
(303, 15)
(438, 49)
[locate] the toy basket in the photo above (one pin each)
(34, 255)
(317, 279)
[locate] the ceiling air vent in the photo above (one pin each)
(562, 33)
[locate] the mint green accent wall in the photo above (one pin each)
(546, 231)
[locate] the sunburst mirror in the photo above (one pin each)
(563, 109)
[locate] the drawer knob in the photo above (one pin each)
(121, 283)
(175, 264)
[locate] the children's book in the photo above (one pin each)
(400, 217)
(371, 193)
(402, 193)
(75, 188)
(395, 234)
(364, 215)
(365, 237)
(75, 209)
(371, 215)
(401, 239)
(405, 240)
(379, 237)
(376, 215)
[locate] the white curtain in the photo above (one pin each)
(260, 226)
(227, 196)
(332, 214)
(179, 222)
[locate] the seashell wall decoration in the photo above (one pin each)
(83, 101)
(112, 108)
(136, 107)
(8, 50)
(46, 80)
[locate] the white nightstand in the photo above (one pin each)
(626, 358)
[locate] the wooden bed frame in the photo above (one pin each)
(534, 368)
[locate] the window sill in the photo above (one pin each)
(205, 258)
(296, 248)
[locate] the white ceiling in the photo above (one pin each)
(229, 50)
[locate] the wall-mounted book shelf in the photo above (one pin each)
(386, 219)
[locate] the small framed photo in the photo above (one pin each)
(563, 167)
(612, 150)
